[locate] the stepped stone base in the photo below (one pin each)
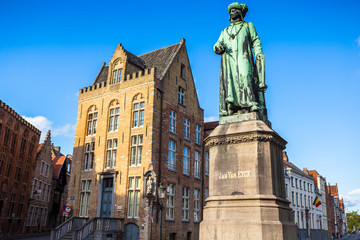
(247, 195)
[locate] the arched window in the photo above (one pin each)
(114, 111)
(117, 72)
(92, 120)
(138, 110)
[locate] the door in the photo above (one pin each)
(106, 198)
(131, 232)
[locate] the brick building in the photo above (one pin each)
(38, 211)
(18, 143)
(139, 126)
(59, 186)
(339, 210)
(330, 200)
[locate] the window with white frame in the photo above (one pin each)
(187, 128)
(47, 170)
(196, 205)
(197, 165)
(89, 156)
(114, 119)
(39, 190)
(138, 114)
(29, 216)
(117, 75)
(170, 201)
(300, 183)
(292, 181)
(111, 153)
(34, 185)
(286, 190)
(292, 198)
(136, 150)
(207, 163)
(186, 160)
(172, 121)
(197, 133)
(43, 191)
(34, 216)
(133, 197)
(171, 155)
(181, 96)
(297, 199)
(49, 190)
(85, 198)
(92, 122)
(301, 200)
(185, 206)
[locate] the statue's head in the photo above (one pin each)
(237, 11)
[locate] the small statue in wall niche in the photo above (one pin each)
(149, 186)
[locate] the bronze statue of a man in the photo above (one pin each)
(242, 82)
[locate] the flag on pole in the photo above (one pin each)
(317, 202)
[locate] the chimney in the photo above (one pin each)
(285, 157)
(306, 171)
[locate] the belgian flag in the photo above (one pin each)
(317, 202)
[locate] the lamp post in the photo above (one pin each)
(161, 195)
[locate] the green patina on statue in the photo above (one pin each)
(242, 81)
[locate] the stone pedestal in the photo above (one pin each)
(247, 194)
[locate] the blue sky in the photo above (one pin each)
(51, 49)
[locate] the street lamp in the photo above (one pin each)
(161, 195)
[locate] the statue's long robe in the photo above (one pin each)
(238, 80)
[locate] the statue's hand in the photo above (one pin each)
(219, 50)
(262, 87)
(259, 56)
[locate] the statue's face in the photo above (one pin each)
(235, 14)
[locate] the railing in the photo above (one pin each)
(98, 224)
(67, 226)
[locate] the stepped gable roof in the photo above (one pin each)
(102, 75)
(161, 59)
(333, 190)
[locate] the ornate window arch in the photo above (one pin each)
(138, 112)
(117, 71)
(92, 116)
(114, 111)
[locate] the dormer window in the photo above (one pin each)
(117, 75)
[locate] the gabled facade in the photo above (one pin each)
(61, 166)
(39, 204)
(18, 143)
(139, 125)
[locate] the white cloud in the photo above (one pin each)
(354, 192)
(44, 124)
(352, 198)
(358, 41)
(211, 119)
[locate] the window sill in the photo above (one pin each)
(172, 132)
(181, 104)
(137, 127)
(185, 221)
(186, 175)
(172, 170)
(169, 220)
(187, 139)
(135, 165)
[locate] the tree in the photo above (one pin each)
(353, 220)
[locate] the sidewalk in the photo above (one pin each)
(35, 236)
